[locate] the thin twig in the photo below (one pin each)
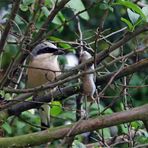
(7, 29)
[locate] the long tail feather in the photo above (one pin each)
(44, 112)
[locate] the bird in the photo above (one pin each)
(88, 83)
(43, 67)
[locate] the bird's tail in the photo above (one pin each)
(44, 112)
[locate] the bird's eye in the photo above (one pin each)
(46, 50)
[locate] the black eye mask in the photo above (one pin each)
(46, 50)
(43, 48)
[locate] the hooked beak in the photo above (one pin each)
(59, 51)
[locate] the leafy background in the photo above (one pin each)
(121, 14)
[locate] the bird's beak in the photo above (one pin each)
(59, 52)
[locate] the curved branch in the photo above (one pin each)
(138, 113)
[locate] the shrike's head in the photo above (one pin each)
(46, 48)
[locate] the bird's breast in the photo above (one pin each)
(44, 69)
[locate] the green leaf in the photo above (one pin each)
(62, 60)
(20, 125)
(124, 128)
(135, 80)
(106, 132)
(142, 139)
(27, 2)
(7, 128)
(45, 11)
(57, 19)
(66, 46)
(133, 16)
(68, 115)
(78, 144)
(23, 7)
(56, 108)
(132, 6)
(138, 22)
(105, 6)
(18, 19)
(78, 6)
(136, 124)
(110, 8)
(145, 11)
(129, 24)
(48, 3)
(5, 60)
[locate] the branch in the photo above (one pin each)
(27, 47)
(138, 113)
(102, 55)
(23, 47)
(100, 80)
(128, 70)
(9, 24)
(99, 57)
(51, 16)
(68, 91)
(21, 98)
(124, 72)
(26, 105)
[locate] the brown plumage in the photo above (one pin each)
(42, 58)
(38, 77)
